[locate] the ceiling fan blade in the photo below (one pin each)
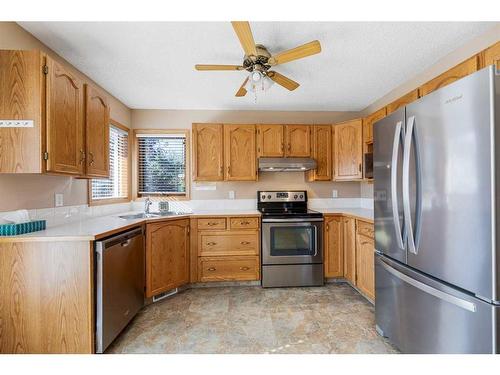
(242, 91)
(244, 33)
(280, 79)
(218, 67)
(296, 53)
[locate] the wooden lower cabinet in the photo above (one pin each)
(349, 242)
(226, 249)
(333, 245)
(365, 259)
(167, 255)
(229, 268)
(46, 297)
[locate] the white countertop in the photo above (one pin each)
(99, 227)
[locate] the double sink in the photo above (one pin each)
(143, 215)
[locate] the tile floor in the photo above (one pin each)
(330, 319)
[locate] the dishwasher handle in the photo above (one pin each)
(123, 239)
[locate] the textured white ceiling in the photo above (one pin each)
(150, 64)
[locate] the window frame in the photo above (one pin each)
(128, 198)
(187, 134)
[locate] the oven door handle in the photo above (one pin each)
(315, 241)
(305, 221)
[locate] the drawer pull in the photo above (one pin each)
(244, 222)
(244, 268)
(211, 224)
(245, 243)
(211, 243)
(212, 269)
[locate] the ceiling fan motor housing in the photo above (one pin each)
(259, 62)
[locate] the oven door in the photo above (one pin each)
(292, 241)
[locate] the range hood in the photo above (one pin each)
(286, 164)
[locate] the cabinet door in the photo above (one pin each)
(20, 90)
(365, 266)
(348, 150)
(401, 102)
(492, 56)
(65, 130)
(167, 259)
(349, 242)
(270, 141)
(208, 152)
(239, 152)
(97, 133)
(461, 70)
(322, 153)
(334, 252)
(298, 140)
(368, 125)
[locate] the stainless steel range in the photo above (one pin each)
(292, 240)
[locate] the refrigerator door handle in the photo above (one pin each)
(394, 175)
(406, 185)
(430, 290)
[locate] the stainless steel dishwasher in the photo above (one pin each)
(120, 277)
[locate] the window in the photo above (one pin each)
(162, 163)
(116, 187)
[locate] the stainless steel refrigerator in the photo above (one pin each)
(436, 190)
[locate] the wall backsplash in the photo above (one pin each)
(277, 181)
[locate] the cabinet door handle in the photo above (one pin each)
(244, 268)
(359, 167)
(82, 156)
(245, 243)
(327, 227)
(212, 269)
(211, 243)
(91, 163)
(221, 170)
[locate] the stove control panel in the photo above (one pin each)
(282, 196)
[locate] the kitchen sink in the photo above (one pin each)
(143, 215)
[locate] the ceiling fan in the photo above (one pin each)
(258, 61)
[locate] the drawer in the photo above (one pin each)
(215, 223)
(244, 223)
(366, 229)
(228, 268)
(223, 243)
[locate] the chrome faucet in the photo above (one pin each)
(147, 203)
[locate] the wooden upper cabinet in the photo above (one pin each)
(20, 99)
(491, 56)
(461, 70)
(65, 128)
(334, 252)
(298, 141)
(322, 153)
(349, 245)
(365, 265)
(368, 124)
(167, 256)
(96, 133)
(270, 141)
(208, 146)
(348, 150)
(402, 101)
(240, 153)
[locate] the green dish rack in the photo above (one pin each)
(22, 228)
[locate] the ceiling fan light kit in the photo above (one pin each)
(258, 62)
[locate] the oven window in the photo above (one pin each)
(296, 240)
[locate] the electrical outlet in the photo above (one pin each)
(59, 200)
(335, 193)
(231, 194)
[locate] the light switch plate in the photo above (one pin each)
(59, 200)
(335, 193)
(231, 194)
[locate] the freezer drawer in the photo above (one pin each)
(421, 315)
